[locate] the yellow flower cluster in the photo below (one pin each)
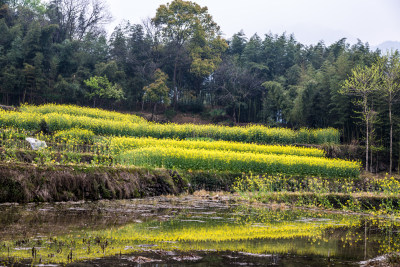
(201, 159)
(121, 144)
(63, 117)
(75, 136)
(387, 185)
(81, 111)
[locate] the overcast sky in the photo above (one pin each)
(373, 21)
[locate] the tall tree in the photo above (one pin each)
(143, 58)
(390, 88)
(157, 92)
(118, 44)
(237, 43)
(252, 56)
(276, 103)
(190, 32)
(233, 87)
(361, 84)
(303, 106)
(76, 18)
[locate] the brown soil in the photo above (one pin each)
(30, 183)
(179, 118)
(182, 118)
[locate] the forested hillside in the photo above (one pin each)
(59, 52)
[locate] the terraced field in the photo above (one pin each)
(114, 138)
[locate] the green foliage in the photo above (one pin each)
(189, 30)
(362, 82)
(101, 87)
(157, 92)
(276, 104)
(34, 5)
(182, 20)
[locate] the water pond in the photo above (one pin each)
(188, 231)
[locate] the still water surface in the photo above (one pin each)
(187, 231)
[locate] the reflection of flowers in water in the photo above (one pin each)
(253, 231)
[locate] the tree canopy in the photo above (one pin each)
(189, 31)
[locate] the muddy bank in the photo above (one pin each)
(29, 183)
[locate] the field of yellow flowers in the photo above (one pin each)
(130, 140)
(201, 159)
(101, 122)
(120, 144)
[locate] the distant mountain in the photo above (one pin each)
(387, 46)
